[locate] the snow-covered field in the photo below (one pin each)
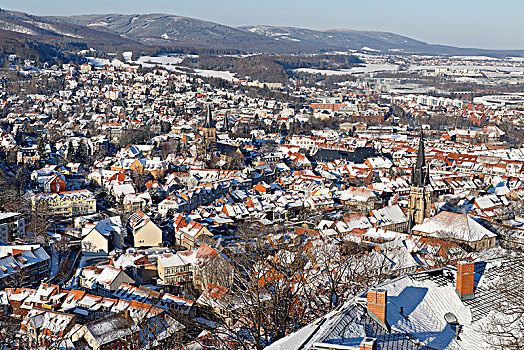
(160, 60)
(170, 63)
(128, 56)
(165, 62)
(322, 71)
(166, 67)
(98, 62)
(215, 74)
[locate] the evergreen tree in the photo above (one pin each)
(70, 151)
(40, 144)
(81, 153)
(21, 180)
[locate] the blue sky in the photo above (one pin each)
(495, 24)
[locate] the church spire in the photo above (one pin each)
(421, 157)
(208, 122)
(420, 174)
(226, 122)
(420, 191)
(209, 131)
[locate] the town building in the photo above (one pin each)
(12, 225)
(420, 191)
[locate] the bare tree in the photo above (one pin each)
(62, 247)
(39, 224)
(9, 332)
(265, 301)
(504, 328)
(333, 274)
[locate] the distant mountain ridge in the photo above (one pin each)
(164, 30)
(47, 28)
(171, 30)
(43, 38)
(347, 39)
(339, 38)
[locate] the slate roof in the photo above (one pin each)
(359, 155)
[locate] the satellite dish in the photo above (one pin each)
(451, 318)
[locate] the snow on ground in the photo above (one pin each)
(47, 26)
(166, 67)
(166, 62)
(98, 24)
(98, 62)
(367, 68)
(16, 28)
(128, 56)
(467, 80)
(365, 48)
(55, 263)
(321, 71)
(215, 74)
(161, 60)
(117, 63)
(74, 281)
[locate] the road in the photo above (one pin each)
(67, 267)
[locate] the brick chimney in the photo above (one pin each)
(377, 300)
(465, 279)
(368, 344)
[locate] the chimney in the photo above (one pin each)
(127, 315)
(465, 279)
(368, 344)
(457, 332)
(377, 300)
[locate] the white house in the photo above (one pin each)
(104, 237)
(144, 232)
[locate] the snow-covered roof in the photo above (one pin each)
(417, 305)
(108, 275)
(447, 225)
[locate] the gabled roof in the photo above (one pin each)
(448, 225)
(206, 252)
(108, 275)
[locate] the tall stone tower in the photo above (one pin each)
(209, 131)
(420, 190)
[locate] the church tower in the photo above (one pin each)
(226, 126)
(420, 190)
(209, 131)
